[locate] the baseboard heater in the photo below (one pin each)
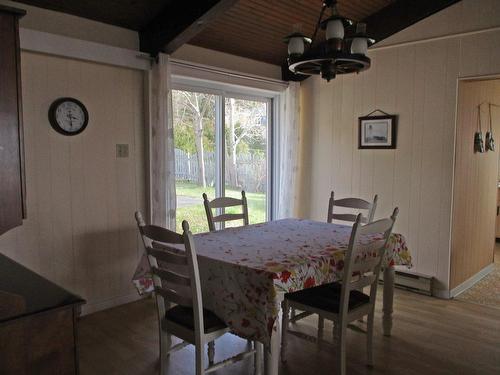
(412, 281)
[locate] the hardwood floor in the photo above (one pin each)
(430, 336)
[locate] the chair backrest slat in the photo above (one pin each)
(228, 217)
(379, 226)
(225, 202)
(364, 257)
(355, 204)
(159, 234)
(167, 256)
(174, 296)
(168, 247)
(348, 217)
(172, 277)
(365, 264)
(363, 282)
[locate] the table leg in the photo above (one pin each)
(272, 354)
(388, 299)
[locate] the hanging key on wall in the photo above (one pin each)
(478, 135)
(490, 142)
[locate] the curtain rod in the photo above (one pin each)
(227, 72)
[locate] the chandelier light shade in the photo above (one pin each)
(359, 43)
(335, 29)
(296, 43)
(342, 51)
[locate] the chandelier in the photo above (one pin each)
(338, 54)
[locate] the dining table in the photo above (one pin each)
(246, 271)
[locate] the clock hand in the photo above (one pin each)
(70, 119)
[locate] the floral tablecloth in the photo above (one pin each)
(243, 269)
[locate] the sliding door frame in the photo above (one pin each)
(272, 102)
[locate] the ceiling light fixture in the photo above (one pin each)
(343, 51)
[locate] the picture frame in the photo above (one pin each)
(377, 132)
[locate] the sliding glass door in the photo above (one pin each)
(221, 147)
(195, 156)
(245, 154)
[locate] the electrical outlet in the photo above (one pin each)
(122, 151)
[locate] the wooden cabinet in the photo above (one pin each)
(12, 186)
(38, 324)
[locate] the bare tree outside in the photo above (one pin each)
(245, 132)
(194, 110)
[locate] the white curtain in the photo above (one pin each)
(289, 151)
(161, 145)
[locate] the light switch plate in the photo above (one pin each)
(122, 151)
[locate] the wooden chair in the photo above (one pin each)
(176, 279)
(352, 203)
(344, 303)
(225, 202)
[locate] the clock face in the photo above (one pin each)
(68, 116)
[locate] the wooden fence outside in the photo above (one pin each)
(251, 169)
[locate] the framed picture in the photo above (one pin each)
(377, 132)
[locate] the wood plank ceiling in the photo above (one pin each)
(250, 28)
(255, 28)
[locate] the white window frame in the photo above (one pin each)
(223, 90)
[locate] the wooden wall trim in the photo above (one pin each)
(58, 45)
(471, 281)
(436, 38)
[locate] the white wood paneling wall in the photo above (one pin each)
(80, 231)
(418, 82)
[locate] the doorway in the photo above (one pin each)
(475, 267)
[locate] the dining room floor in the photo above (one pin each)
(430, 336)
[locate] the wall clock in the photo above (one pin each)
(68, 116)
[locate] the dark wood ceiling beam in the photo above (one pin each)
(179, 22)
(402, 14)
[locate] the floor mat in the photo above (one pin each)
(487, 290)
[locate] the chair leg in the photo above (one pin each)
(321, 327)
(334, 332)
(200, 366)
(211, 352)
(369, 339)
(284, 329)
(258, 358)
(292, 313)
(165, 344)
(340, 338)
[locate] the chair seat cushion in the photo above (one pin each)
(184, 316)
(327, 297)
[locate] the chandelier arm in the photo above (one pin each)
(313, 39)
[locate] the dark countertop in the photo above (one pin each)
(23, 292)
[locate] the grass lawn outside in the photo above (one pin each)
(195, 213)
